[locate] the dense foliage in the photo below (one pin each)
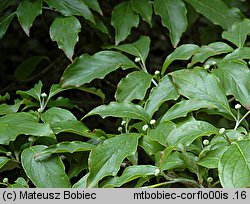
(126, 93)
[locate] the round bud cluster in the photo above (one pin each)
(43, 95)
(137, 59)
(157, 72)
(5, 180)
(8, 154)
(237, 106)
(144, 127)
(156, 172)
(240, 138)
(206, 66)
(210, 179)
(205, 142)
(222, 130)
(152, 122)
(123, 122)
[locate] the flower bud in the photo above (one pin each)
(123, 122)
(43, 95)
(5, 180)
(222, 130)
(156, 172)
(205, 142)
(137, 59)
(237, 106)
(157, 72)
(213, 63)
(206, 66)
(152, 122)
(210, 179)
(119, 129)
(31, 139)
(39, 110)
(8, 154)
(240, 138)
(144, 127)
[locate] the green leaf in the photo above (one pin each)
(239, 53)
(5, 4)
(234, 166)
(173, 15)
(15, 124)
(124, 109)
(33, 92)
(139, 48)
(133, 86)
(64, 30)
(5, 97)
(199, 84)
(107, 158)
(216, 11)
(237, 34)
(129, 174)
(62, 120)
(86, 68)
(5, 22)
(48, 166)
(150, 146)
(55, 89)
(206, 51)
(2, 150)
(27, 11)
(20, 183)
(235, 77)
(211, 158)
(27, 67)
(168, 160)
(144, 9)
(123, 23)
(71, 7)
(186, 133)
(182, 108)
(163, 92)
(3, 161)
(93, 4)
(82, 183)
(7, 109)
(183, 52)
(161, 132)
(99, 25)
(63, 147)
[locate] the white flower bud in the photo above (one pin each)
(157, 72)
(137, 59)
(39, 110)
(156, 172)
(210, 179)
(5, 180)
(237, 106)
(240, 138)
(123, 122)
(144, 127)
(43, 95)
(8, 154)
(205, 142)
(119, 129)
(222, 130)
(206, 66)
(213, 63)
(31, 139)
(152, 122)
